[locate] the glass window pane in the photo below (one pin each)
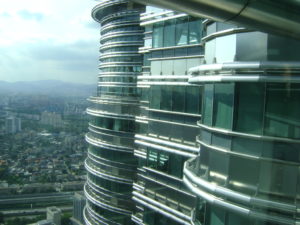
(208, 104)
(166, 98)
(195, 28)
(178, 98)
(282, 110)
(158, 35)
(249, 107)
(181, 31)
(218, 167)
(278, 181)
(217, 216)
(223, 105)
(243, 174)
(155, 97)
(176, 165)
(192, 99)
(169, 33)
(152, 158)
(163, 162)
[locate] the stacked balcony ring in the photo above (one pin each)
(111, 164)
(248, 168)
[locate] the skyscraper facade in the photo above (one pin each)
(170, 108)
(247, 171)
(195, 122)
(111, 164)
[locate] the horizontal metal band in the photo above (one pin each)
(229, 194)
(174, 112)
(113, 163)
(237, 209)
(176, 57)
(106, 192)
(104, 197)
(146, 200)
(106, 176)
(242, 155)
(224, 33)
(164, 184)
(105, 206)
(168, 143)
(166, 149)
(99, 113)
(250, 136)
(244, 78)
(287, 66)
(120, 34)
(87, 212)
(99, 143)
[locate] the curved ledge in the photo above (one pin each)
(162, 148)
(105, 206)
(119, 63)
(100, 113)
(250, 136)
(229, 194)
(113, 139)
(111, 166)
(119, 44)
(122, 43)
(157, 206)
(117, 203)
(106, 176)
(120, 24)
(119, 54)
(249, 67)
(244, 78)
(99, 143)
(121, 33)
(167, 143)
(219, 149)
(88, 213)
(236, 208)
(124, 196)
(225, 32)
(126, 13)
(119, 165)
(101, 6)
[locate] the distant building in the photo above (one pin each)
(72, 186)
(54, 215)
(51, 119)
(44, 222)
(12, 125)
(78, 206)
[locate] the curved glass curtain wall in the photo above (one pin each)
(110, 164)
(248, 168)
(170, 109)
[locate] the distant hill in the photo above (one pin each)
(47, 87)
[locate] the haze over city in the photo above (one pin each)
(51, 39)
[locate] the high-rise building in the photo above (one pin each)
(78, 206)
(214, 123)
(111, 164)
(12, 125)
(170, 109)
(54, 215)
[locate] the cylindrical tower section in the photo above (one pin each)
(248, 168)
(110, 164)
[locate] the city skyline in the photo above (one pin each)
(43, 40)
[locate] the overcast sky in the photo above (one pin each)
(48, 39)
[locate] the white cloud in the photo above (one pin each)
(58, 27)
